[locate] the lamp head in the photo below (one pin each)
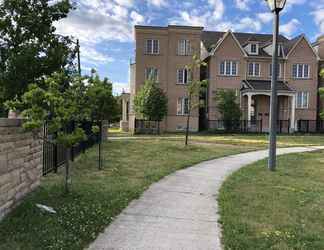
(276, 5)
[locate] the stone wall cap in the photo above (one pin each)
(6, 122)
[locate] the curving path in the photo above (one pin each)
(180, 211)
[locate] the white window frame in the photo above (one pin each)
(148, 72)
(280, 70)
(254, 69)
(181, 102)
(229, 63)
(256, 49)
(151, 51)
(184, 47)
(185, 74)
(304, 101)
(280, 51)
(301, 68)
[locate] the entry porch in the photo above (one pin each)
(255, 104)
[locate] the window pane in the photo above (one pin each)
(295, 70)
(188, 47)
(179, 106)
(305, 99)
(222, 68)
(253, 48)
(186, 106)
(228, 67)
(182, 47)
(234, 68)
(300, 70)
(180, 76)
(299, 99)
(149, 46)
(251, 71)
(306, 71)
(257, 69)
(155, 46)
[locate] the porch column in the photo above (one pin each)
(249, 107)
(293, 113)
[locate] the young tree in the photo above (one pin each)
(29, 47)
(58, 106)
(103, 105)
(151, 102)
(229, 108)
(193, 89)
(321, 93)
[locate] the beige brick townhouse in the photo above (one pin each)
(237, 61)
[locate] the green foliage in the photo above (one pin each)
(151, 102)
(322, 73)
(228, 107)
(102, 104)
(29, 47)
(57, 105)
(321, 94)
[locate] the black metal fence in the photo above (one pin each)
(245, 126)
(54, 154)
(147, 127)
(229, 126)
(310, 126)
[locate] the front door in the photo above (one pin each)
(263, 111)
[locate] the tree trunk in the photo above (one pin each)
(187, 128)
(67, 170)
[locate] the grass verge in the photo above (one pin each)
(280, 210)
(130, 166)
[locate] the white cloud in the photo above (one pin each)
(290, 28)
(93, 56)
(242, 4)
(218, 9)
(158, 3)
(189, 19)
(127, 3)
(291, 3)
(247, 24)
(319, 19)
(265, 17)
(119, 88)
(136, 17)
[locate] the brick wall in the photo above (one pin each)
(20, 164)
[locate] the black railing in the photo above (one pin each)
(235, 126)
(54, 154)
(245, 126)
(147, 127)
(310, 126)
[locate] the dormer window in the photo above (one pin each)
(254, 49)
(279, 49)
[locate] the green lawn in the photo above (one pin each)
(281, 210)
(98, 196)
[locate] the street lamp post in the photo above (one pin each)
(276, 6)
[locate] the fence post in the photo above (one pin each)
(261, 126)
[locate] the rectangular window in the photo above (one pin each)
(152, 74)
(183, 106)
(184, 47)
(228, 68)
(152, 47)
(183, 76)
(302, 100)
(300, 71)
(254, 49)
(279, 67)
(254, 69)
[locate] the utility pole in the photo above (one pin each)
(79, 60)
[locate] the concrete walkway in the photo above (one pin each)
(180, 211)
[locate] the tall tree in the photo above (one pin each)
(29, 47)
(151, 102)
(102, 104)
(193, 89)
(229, 108)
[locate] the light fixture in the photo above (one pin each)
(276, 5)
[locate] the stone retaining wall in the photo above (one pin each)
(20, 164)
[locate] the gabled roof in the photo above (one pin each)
(225, 35)
(264, 85)
(211, 39)
(296, 41)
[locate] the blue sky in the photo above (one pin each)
(105, 27)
